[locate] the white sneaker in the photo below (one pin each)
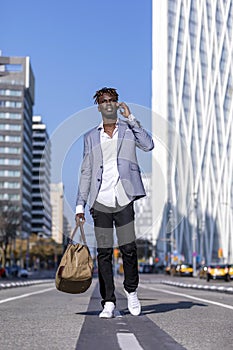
(108, 311)
(134, 305)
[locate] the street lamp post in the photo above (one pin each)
(194, 255)
(171, 239)
(194, 236)
(202, 231)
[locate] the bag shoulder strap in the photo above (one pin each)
(83, 237)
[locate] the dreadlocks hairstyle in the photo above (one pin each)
(105, 90)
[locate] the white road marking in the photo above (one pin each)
(122, 323)
(189, 297)
(128, 341)
(26, 295)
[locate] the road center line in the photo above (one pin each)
(189, 297)
(26, 295)
(128, 341)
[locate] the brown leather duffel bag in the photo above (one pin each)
(75, 271)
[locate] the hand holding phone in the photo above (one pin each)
(123, 109)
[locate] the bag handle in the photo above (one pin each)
(83, 237)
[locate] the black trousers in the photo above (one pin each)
(105, 219)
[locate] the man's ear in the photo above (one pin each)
(99, 108)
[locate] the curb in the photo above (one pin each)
(22, 284)
(200, 287)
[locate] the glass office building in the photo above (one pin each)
(16, 104)
(192, 83)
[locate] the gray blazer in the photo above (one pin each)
(130, 136)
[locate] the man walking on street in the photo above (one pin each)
(110, 182)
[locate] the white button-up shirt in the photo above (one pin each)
(111, 188)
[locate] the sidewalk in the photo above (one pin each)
(35, 277)
(212, 288)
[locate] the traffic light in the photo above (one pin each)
(116, 253)
(220, 253)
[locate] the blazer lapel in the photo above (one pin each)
(96, 137)
(121, 132)
(96, 146)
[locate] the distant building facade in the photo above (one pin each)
(16, 110)
(41, 206)
(56, 196)
(192, 92)
(143, 211)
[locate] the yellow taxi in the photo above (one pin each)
(184, 269)
(230, 271)
(218, 271)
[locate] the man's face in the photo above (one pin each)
(108, 106)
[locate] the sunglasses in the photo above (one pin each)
(110, 100)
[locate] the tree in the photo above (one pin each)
(46, 249)
(10, 222)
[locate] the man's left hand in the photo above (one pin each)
(124, 109)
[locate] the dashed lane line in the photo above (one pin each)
(26, 295)
(189, 297)
(128, 341)
(125, 333)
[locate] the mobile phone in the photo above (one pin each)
(121, 109)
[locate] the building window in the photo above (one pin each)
(13, 67)
(13, 197)
(14, 127)
(4, 161)
(10, 173)
(7, 92)
(12, 104)
(10, 150)
(5, 184)
(7, 138)
(10, 115)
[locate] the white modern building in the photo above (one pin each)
(192, 124)
(41, 161)
(57, 195)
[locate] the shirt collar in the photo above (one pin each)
(101, 125)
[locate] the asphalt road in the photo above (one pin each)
(173, 318)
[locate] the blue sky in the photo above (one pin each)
(77, 47)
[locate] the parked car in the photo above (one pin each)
(218, 271)
(146, 268)
(230, 271)
(184, 269)
(202, 271)
(13, 270)
(23, 273)
(3, 272)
